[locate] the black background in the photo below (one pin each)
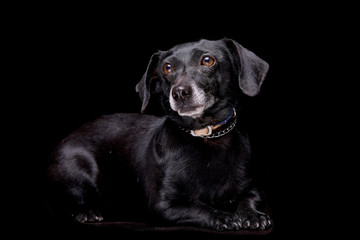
(73, 64)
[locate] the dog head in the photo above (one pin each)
(201, 81)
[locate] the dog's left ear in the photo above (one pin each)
(148, 83)
(252, 69)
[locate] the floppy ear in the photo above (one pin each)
(252, 69)
(146, 85)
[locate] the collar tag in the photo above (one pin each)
(202, 132)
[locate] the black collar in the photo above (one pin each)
(208, 131)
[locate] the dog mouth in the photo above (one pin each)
(194, 112)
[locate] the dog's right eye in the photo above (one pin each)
(167, 68)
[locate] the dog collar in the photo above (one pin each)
(207, 132)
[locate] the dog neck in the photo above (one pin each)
(209, 131)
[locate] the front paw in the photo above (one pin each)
(87, 216)
(226, 221)
(255, 220)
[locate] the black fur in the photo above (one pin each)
(158, 165)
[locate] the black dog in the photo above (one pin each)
(191, 165)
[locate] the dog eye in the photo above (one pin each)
(167, 68)
(207, 61)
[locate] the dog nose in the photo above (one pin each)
(181, 92)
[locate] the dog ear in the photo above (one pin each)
(252, 69)
(148, 83)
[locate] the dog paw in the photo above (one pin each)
(227, 221)
(255, 221)
(88, 216)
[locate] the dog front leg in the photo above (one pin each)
(198, 214)
(249, 215)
